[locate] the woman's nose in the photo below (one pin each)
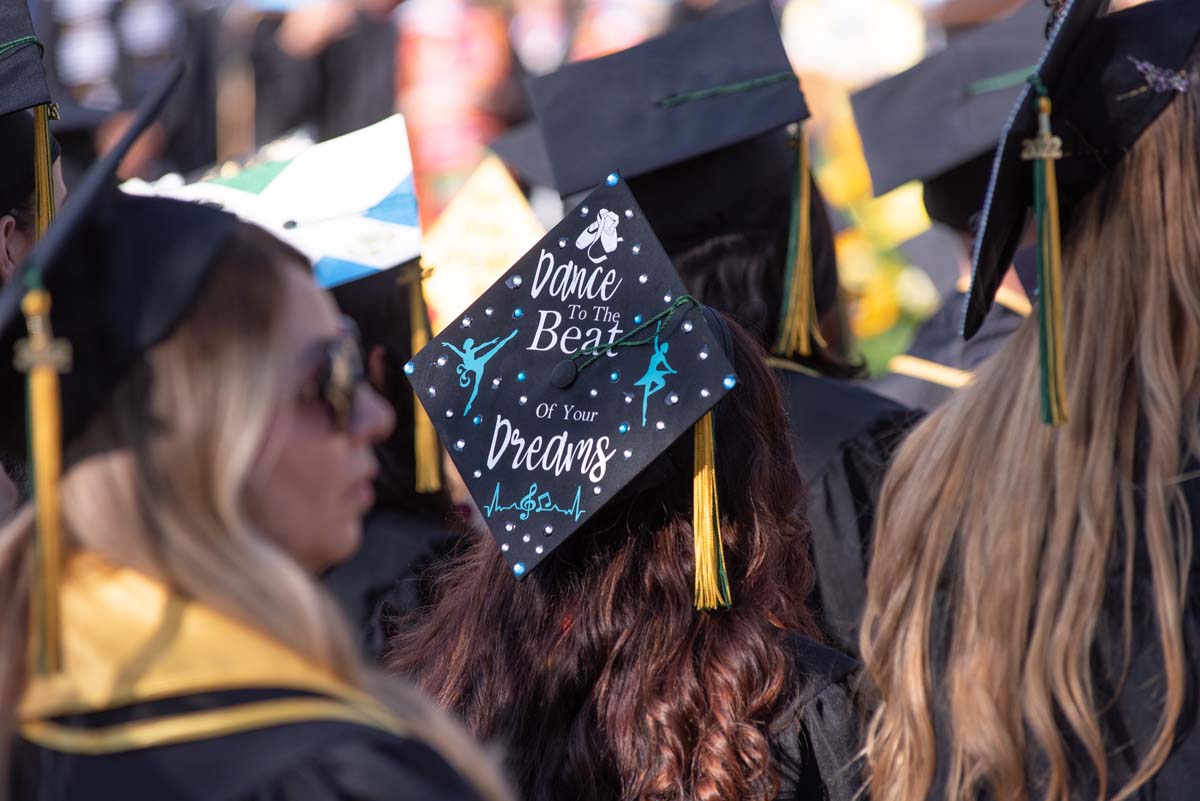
(374, 418)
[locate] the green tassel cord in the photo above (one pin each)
(799, 326)
(1044, 151)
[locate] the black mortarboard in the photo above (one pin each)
(695, 121)
(939, 121)
(702, 87)
(1100, 83)
(22, 77)
(110, 279)
(571, 375)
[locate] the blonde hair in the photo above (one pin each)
(157, 482)
(997, 534)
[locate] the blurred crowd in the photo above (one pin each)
(260, 69)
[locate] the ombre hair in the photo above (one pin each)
(1000, 540)
(596, 672)
(158, 483)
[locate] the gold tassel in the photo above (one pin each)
(43, 358)
(712, 583)
(1044, 151)
(425, 442)
(798, 323)
(43, 168)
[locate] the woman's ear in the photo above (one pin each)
(8, 248)
(377, 368)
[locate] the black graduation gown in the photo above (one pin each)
(816, 737)
(940, 343)
(843, 437)
(162, 697)
(1128, 724)
(382, 580)
(309, 761)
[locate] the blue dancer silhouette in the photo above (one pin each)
(471, 369)
(655, 377)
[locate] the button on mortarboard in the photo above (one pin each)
(597, 292)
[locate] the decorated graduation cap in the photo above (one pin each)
(349, 205)
(1100, 83)
(121, 273)
(696, 121)
(939, 121)
(571, 375)
(28, 148)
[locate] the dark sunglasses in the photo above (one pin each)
(335, 380)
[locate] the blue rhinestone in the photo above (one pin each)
(519, 569)
(410, 368)
(613, 179)
(518, 313)
(730, 381)
(614, 377)
(637, 319)
(623, 428)
(521, 376)
(477, 419)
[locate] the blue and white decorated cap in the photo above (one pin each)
(348, 204)
(570, 375)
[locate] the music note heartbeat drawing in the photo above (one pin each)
(532, 503)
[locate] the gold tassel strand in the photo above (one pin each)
(711, 583)
(43, 168)
(425, 442)
(798, 323)
(1044, 151)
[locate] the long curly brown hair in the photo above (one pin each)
(596, 673)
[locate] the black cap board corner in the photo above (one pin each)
(1109, 77)
(22, 76)
(570, 375)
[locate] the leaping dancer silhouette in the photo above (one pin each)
(472, 365)
(654, 378)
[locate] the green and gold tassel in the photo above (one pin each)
(799, 325)
(427, 454)
(712, 582)
(43, 358)
(1044, 151)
